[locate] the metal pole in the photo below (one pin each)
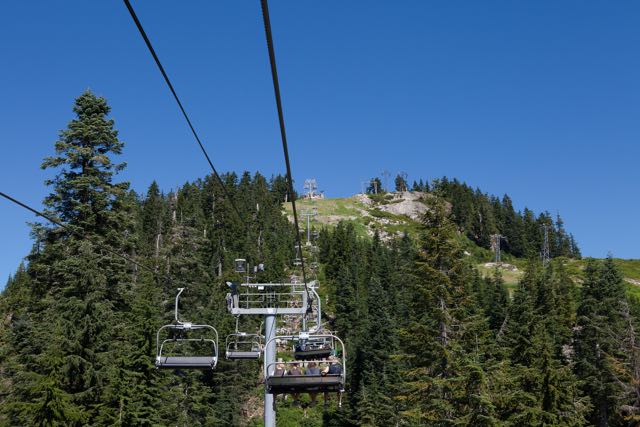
(270, 357)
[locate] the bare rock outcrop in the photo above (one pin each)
(409, 203)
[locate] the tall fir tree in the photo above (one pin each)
(597, 338)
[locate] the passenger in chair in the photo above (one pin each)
(312, 369)
(279, 372)
(334, 368)
(295, 371)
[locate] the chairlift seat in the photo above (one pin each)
(305, 383)
(186, 362)
(243, 355)
(243, 346)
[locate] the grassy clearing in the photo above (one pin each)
(328, 208)
(633, 290)
(332, 211)
(511, 278)
(630, 267)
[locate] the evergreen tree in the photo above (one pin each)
(82, 285)
(401, 183)
(600, 325)
(495, 300)
(445, 333)
(533, 338)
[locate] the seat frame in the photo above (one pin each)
(186, 362)
(305, 383)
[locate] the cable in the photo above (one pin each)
(283, 133)
(265, 13)
(184, 112)
(78, 234)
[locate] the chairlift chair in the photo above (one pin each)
(278, 382)
(240, 265)
(313, 348)
(243, 346)
(207, 339)
(297, 261)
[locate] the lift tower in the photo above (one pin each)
(309, 214)
(268, 300)
(496, 239)
(545, 245)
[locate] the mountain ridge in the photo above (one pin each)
(392, 214)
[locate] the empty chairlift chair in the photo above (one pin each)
(186, 345)
(333, 381)
(243, 346)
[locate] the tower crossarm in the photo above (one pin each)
(268, 298)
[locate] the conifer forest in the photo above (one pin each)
(244, 298)
(429, 339)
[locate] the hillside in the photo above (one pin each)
(427, 340)
(395, 213)
(391, 214)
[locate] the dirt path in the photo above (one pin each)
(634, 282)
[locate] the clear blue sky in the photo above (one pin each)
(537, 99)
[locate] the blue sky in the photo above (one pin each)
(537, 99)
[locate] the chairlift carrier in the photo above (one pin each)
(330, 383)
(208, 361)
(313, 348)
(243, 346)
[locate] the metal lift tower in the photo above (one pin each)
(269, 300)
(310, 213)
(495, 245)
(310, 186)
(545, 246)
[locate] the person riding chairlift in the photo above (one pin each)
(279, 372)
(312, 369)
(295, 370)
(334, 368)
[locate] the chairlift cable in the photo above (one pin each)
(79, 234)
(283, 133)
(182, 109)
